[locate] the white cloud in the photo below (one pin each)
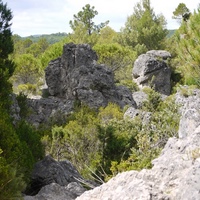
(50, 16)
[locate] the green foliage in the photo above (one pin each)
(31, 137)
(180, 11)
(52, 52)
(130, 84)
(77, 141)
(14, 159)
(107, 36)
(22, 102)
(28, 89)
(20, 45)
(50, 38)
(84, 29)
(28, 69)
(116, 138)
(11, 183)
(9, 141)
(118, 58)
(6, 43)
(80, 36)
(16, 153)
(110, 112)
(6, 48)
(143, 29)
(151, 136)
(84, 18)
(153, 101)
(36, 49)
(188, 49)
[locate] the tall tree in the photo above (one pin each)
(181, 13)
(6, 48)
(143, 29)
(188, 49)
(85, 18)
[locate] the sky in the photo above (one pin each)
(32, 17)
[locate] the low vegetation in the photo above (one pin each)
(99, 143)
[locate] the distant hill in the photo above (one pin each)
(56, 37)
(51, 38)
(171, 33)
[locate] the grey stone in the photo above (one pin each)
(140, 97)
(189, 111)
(54, 191)
(49, 171)
(175, 175)
(131, 113)
(77, 76)
(48, 110)
(151, 70)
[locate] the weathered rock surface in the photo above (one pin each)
(14, 109)
(77, 76)
(189, 110)
(48, 171)
(46, 110)
(151, 70)
(176, 172)
(139, 98)
(54, 191)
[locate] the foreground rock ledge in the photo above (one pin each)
(175, 176)
(176, 172)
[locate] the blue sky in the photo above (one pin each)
(52, 16)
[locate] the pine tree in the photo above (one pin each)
(188, 49)
(143, 29)
(6, 48)
(84, 18)
(181, 13)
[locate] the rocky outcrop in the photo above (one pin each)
(54, 191)
(77, 76)
(189, 110)
(151, 70)
(48, 110)
(48, 171)
(175, 173)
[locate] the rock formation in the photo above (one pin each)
(176, 172)
(54, 191)
(77, 76)
(48, 110)
(49, 171)
(151, 70)
(55, 180)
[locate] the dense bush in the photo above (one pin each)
(151, 135)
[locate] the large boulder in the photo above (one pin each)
(151, 69)
(175, 173)
(48, 171)
(77, 76)
(54, 191)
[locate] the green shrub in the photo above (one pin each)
(151, 137)
(11, 183)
